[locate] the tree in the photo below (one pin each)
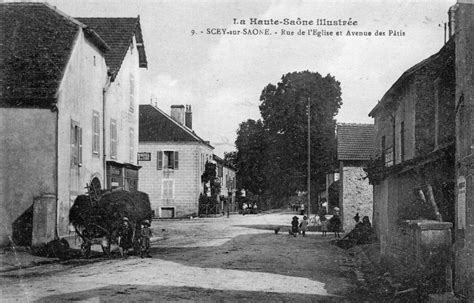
(210, 176)
(230, 159)
(250, 157)
(284, 111)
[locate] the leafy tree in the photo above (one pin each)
(230, 158)
(250, 158)
(210, 176)
(284, 111)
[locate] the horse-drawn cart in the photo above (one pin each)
(97, 218)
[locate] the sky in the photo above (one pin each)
(222, 76)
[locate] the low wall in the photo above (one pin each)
(420, 250)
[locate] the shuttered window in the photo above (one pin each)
(167, 189)
(113, 139)
(167, 160)
(96, 133)
(76, 144)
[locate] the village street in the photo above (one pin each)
(203, 259)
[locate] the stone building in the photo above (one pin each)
(52, 113)
(463, 27)
(414, 124)
(173, 160)
(354, 150)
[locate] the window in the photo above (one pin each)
(132, 94)
(383, 149)
(167, 160)
(436, 112)
(113, 139)
(76, 144)
(402, 141)
(96, 133)
(167, 189)
(132, 146)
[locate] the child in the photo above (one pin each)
(145, 235)
(294, 226)
(304, 225)
(125, 237)
(324, 225)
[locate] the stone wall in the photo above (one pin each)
(356, 196)
(464, 223)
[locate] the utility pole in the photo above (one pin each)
(309, 157)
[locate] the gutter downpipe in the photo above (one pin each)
(54, 108)
(104, 156)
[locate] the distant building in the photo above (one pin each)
(354, 151)
(53, 106)
(227, 180)
(173, 160)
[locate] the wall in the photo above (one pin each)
(464, 223)
(80, 94)
(187, 178)
(357, 196)
(27, 162)
(118, 108)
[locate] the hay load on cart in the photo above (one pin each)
(97, 219)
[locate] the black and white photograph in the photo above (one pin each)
(237, 151)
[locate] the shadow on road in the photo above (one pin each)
(153, 293)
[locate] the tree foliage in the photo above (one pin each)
(272, 153)
(250, 159)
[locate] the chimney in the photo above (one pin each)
(177, 113)
(189, 117)
(451, 20)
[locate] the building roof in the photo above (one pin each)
(118, 33)
(156, 126)
(355, 141)
(36, 41)
(447, 49)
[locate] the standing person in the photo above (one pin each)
(244, 208)
(302, 209)
(324, 225)
(125, 237)
(304, 225)
(255, 208)
(145, 235)
(294, 226)
(336, 225)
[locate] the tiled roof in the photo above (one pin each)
(35, 50)
(118, 33)
(156, 126)
(355, 141)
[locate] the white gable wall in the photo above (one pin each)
(118, 108)
(80, 94)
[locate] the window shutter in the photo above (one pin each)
(159, 160)
(79, 134)
(176, 160)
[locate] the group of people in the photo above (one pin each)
(298, 208)
(125, 238)
(298, 227)
(250, 208)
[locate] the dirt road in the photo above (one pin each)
(212, 259)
